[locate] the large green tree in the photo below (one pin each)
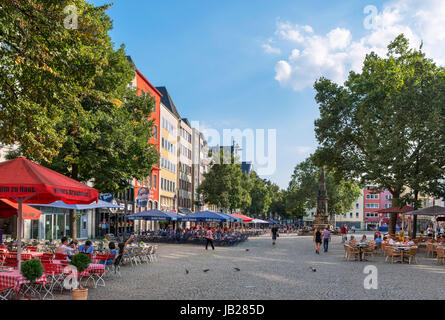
(303, 190)
(46, 69)
(385, 125)
(278, 200)
(106, 138)
(260, 196)
(225, 185)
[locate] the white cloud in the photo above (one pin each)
(334, 54)
(303, 150)
(283, 71)
(271, 50)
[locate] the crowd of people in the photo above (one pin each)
(71, 248)
(197, 234)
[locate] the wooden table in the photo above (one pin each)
(360, 246)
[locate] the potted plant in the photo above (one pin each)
(81, 262)
(32, 270)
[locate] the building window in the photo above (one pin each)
(350, 215)
(388, 196)
(372, 206)
(155, 132)
(357, 205)
(356, 214)
(372, 196)
(155, 178)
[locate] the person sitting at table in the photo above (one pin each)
(352, 240)
(377, 240)
(112, 250)
(410, 241)
(87, 247)
(364, 240)
(390, 240)
(63, 248)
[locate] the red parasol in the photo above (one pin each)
(245, 218)
(23, 181)
(395, 210)
(9, 208)
(21, 178)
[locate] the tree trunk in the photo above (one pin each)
(414, 231)
(73, 214)
(393, 216)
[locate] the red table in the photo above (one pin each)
(15, 280)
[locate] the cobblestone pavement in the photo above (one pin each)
(269, 272)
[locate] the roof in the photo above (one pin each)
(142, 76)
(167, 101)
(186, 121)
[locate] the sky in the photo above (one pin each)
(248, 65)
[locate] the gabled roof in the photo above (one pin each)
(167, 101)
(130, 60)
(187, 122)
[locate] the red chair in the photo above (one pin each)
(47, 256)
(55, 276)
(32, 249)
(3, 246)
(60, 256)
(5, 291)
(26, 256)
(10, 262)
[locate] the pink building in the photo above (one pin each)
(373, 202)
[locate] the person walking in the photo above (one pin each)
(343, 233)
(274, 232)
(209, 239)
(326, 239)
(317, 239)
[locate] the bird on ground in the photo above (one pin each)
(186, 271)
(237, 269)
(313, 269)
(247, 249)
(206, 270)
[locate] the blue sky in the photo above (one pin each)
(211, 56)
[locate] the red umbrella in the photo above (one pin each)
(23, 181)
(395, 210)
(245, 218)
(9, 208)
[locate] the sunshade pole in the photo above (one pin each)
(20, 202)
(19, 233)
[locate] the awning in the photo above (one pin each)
(94, 205)
(273, 221)
(185, 210)
(153, 214)
(9, 208)
(229, 217)
(430, 211)
(259, 221)
(204, 216)
(245, 218)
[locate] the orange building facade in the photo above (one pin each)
(151, 182)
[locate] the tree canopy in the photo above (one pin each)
(385, 126)
(46, 69)
(303, 190)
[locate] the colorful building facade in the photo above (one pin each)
(150, 183)
(169, 156)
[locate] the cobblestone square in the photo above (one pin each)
(268, 272)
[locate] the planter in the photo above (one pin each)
(80, 294)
